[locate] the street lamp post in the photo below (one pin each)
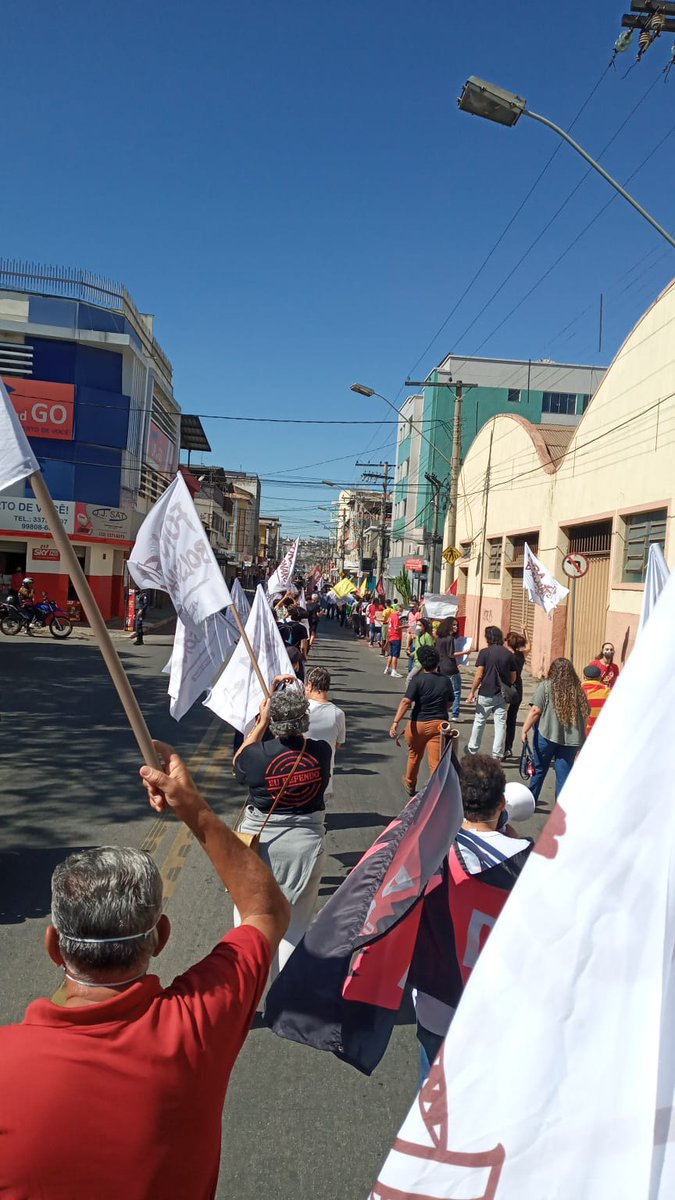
(486, 100)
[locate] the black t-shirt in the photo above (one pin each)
(292, 633)
(498, 663)
(446, 653)
(520, 663)
(431, 695)
(265, 765)
(313, 609)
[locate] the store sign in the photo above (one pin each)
(44, 553)
(20, 514)
(97, 521)
(83, 522)
(45, 410)
(415, 564)
(161, 451)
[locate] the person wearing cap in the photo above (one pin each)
(596, 693)
(118, 1090)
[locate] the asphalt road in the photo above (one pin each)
(298, 1124)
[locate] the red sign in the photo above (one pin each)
(415, 564)
(45, 552)
(45, 410)
(161, 452)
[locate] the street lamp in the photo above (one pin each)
(506, 108)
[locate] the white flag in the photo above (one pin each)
(237, 694)
(579, 1103)
(240, 600)
(16, 457)
(655, 581)
(172, 553)
(199, 652)
(280, 580)
(542, 587)
(437, 607)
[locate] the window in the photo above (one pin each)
(494, 558)
(642, 531)
(565, 404)
(583, 403)
(514, 396)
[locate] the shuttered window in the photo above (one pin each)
(494, 558)
(642, 531)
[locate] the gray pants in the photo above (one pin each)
(486, 706)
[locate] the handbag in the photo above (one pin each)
(510, 693)
(252, 840)
(526, 764)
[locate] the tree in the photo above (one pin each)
(403, 586)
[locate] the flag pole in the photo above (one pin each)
(251, 653)
(93, 614)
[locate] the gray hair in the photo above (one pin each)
(289, 714)
(100, 893)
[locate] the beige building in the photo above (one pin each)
(604, 489)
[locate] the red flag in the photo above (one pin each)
(380, 588)
(452, 590)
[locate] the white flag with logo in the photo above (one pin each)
(240, 600)
(16, 457)
(281, 579)
(237, 694)
(172, 553)
(556, 1080)
(655, 580)
(542, 587)
(199, 652)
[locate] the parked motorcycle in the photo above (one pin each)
(47, 614)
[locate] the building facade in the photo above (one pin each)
(541, 392)
(93, 390)
(269, 546)
(604, 489)
(359, 529)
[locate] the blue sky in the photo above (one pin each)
(291, 189)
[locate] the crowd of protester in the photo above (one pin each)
(119, 1042)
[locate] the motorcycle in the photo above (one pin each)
(47, 614)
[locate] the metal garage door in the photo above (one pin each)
(522, 612)
(591, 598)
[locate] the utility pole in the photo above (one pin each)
(435, 539)
(372, 476)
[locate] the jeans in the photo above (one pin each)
(486, 706)
(457, 689)
(512, 716)
(421, 736)
(430, 1045)
(543, 753)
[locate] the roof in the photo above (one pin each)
(557, 438)
(192, 436)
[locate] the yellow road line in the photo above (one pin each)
(201, 768)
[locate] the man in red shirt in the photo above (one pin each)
(609, 672)
(119, 1091)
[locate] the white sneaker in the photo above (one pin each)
(396, 675)
(386, 670)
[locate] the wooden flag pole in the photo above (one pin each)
(251, 653)
(98, 625)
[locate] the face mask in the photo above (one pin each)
(608, 654)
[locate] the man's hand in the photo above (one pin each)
(173, 787)
(471, 699)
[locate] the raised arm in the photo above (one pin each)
(250, 883)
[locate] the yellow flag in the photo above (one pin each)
(361, 591)
(344, 588)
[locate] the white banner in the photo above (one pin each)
(655, 581)
(438, 607)
(237, 694)
(582, 1105)
(542, 587)
(16, 457)
(240, 600)
(198, 654)
(464, 644)
(280, 580)
(172, 553)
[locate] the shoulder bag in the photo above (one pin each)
(252, 840)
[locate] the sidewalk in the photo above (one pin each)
(157, 620)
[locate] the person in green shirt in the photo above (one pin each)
(558, 715)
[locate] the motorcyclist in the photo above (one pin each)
(27, 601)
